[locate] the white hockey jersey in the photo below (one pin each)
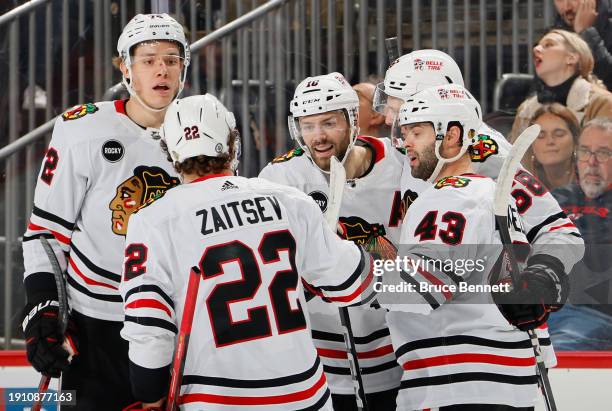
(454, 346)
(371, 202)
(253, 241)
(99, 168)
(549, 230)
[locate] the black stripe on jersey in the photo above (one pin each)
(535, 230)
(153, 322)
(150, 288)
(319, 404)
(94, 268)
(467, 377)
(576, 235)
(454, 277)
(351, 280)
(114, 298)
(431, 300)
(52, 217)
(460, 339)
(27, 238)
(265, 383)
(389, 365)
(327, 336)
(372, 337)
(544, 341)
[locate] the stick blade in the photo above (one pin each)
(509, 167)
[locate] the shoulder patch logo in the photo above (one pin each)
(483, 148)
(145, 186)
(320, 198)
(112, 151)
(296, 152)
(452, 181)
(80, 111)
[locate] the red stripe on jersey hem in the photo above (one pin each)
(378, 352)
(464, 358)
(148, 303)
(359, 290)
(264, 400)
(88, 280)
(562, 226)
(58, 236)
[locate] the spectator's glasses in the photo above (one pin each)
(601, 156)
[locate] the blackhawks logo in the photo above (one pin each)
(296, 152)
(452, 181)
(369, 235)
(79, 111)
(483, 148)
(145, 186)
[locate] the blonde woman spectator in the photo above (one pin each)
(564, 65)
(551, 157)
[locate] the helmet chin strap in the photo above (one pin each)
(128, 86)
(441, 160)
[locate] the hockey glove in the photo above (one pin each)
(44, 343)
(542, 288)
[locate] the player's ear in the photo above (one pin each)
(124, 69)
(453, 136)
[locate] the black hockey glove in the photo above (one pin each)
(44, 340)
(542, 288)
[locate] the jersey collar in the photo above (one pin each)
(209, 176)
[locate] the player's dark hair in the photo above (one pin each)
(203, 165)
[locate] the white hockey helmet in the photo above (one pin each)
(415, 72)
(322, 94)
(152, 27)
(440, 106)
(198, 126)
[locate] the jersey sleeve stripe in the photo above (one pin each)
(115, 298)
(150, 288)
(466, 377)
(471, 358)
(533, 233)
(45, 215)
(364, 370)
(427, 297)
(255, 400)
(454, 277)
(376, 335)
(148, 303)
(33, 237)
(259, 383)
(351, 280)
(88, 280)
(94, 268)
(562, 226)
(59, 237)
(355, 294)
(319, 404)
(152, 322)
(341, 354)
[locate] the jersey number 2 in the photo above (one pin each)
(427, 228)
(51, 159)
(228, 331)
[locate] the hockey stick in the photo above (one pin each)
(392, 46)
(502, 193)
(337, 181)
(62, 299)
(180, 352)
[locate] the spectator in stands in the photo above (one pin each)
(564, 66)
(586, 323)
(371, 123)
(551, 157)
(592, 20)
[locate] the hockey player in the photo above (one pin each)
(253, 242)
(548, 229)
(456, 349)
(103, 162)
(324, 122)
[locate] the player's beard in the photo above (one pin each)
(427, 163)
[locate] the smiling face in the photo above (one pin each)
(555, 144)
(325, 135)
(419, 142)
(552, 60)
(155, 72)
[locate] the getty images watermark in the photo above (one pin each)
(424, 271)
